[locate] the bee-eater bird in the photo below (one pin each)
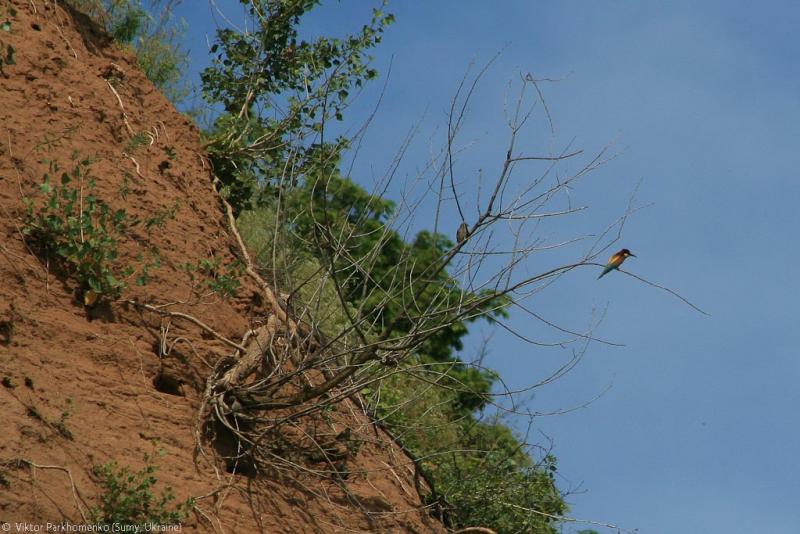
(615, 261)
(463, 232)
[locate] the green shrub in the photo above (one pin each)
(128, 498)
(292, 271)
(222, 280)
(482, 473)
(78, 232)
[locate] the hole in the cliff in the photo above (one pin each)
(241, 466)
(231, 450)
(99, 310)
(168, 383)
(6, 332)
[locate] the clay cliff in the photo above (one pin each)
(86, 382)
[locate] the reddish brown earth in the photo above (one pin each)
(78, 385)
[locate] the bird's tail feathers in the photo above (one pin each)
(605, 272)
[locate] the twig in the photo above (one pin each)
(136, 163)
(249, 268)
(124, 115)
(189, 318)
(668, 290)
(566, 519)
(58, 27)
(74, 488)
(546, 158)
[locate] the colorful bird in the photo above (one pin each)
(615, 261)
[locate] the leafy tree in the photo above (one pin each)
(278, 91)
(482, 473)
(280, 169)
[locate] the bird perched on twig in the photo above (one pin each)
(615, 261)
(463, 233)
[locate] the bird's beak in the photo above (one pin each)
(633, 255)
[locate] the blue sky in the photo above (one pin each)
(698, 431)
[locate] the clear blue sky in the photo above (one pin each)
(698, 432)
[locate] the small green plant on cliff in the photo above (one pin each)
(128, 498)
(160, 216)
(222, 280)
(6, 50)
(7, 12)
(153, 34)
(77, 232)
(66, 413)
(138, 141)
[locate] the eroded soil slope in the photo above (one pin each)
(85, 386)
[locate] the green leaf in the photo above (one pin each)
(6, 26)
(111, 281)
